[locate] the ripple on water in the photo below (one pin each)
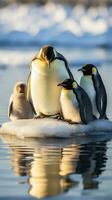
(44, 168)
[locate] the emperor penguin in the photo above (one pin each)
(48, 68)
(92, 83)
(75, 103)
(19, 107)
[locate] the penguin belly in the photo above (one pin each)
(87, 84)
(44, 90)
(69, 105)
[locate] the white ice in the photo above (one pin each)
(42, 128)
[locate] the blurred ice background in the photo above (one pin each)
(54, 23)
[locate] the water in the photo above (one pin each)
(58, 168)
(66, 169)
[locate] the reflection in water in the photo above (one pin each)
(45, 178)
(48, 165)
(20, 162)
(91, 163)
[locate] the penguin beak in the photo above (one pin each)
(48, 62)
(81, 69)
(61, 84)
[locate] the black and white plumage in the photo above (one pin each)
(48, 68)
(92, 83)
(75, 103)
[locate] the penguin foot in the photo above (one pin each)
(71, 122)
(57, 116)
(105, 117)
(94, 117)
(61, 118)
(39, 116)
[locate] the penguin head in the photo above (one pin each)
(88, 69)
(20, 88)
(47, 54)
(69, 84)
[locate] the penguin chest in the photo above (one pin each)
(87, 84)
(69, 105)
(21, 109)
(44, 90)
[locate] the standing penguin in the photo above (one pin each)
(48, 68)
(92, 83)
(19, 107)
(75, 103)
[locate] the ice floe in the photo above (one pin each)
(52, 128)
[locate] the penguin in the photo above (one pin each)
(75, 103)
(48, 68)
(92, 83)
(19, 107)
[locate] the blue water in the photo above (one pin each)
(78, 168)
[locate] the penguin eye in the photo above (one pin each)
(74, 85)
(94, 71)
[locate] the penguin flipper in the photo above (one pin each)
(82, 107)
(101, 96)
(28, 87)
(32, 108)
(84, 114)
(10, 108)
(85, 106)
(61, 57)
(101, 103)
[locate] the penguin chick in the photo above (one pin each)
(48, 68)
(92, 83)
(75, 103)
(19, 107)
